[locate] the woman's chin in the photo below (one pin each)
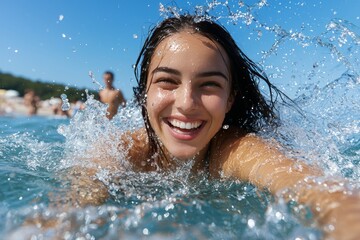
(185, 154)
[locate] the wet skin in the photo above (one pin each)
(188, 93)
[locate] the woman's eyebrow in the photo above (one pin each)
(166, 70)
(202, 74)
(213, 73)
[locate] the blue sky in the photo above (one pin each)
(61, 41)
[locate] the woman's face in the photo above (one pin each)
(188, 94)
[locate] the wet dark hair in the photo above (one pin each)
(110, 73)
(250, 110)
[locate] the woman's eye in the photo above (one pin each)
(211, 84)
(165, 81)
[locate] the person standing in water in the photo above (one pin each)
(31, 100)
(201, 102)
(111, 96)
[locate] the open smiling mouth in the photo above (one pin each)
(185, 127)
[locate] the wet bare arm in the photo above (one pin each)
(250, 158)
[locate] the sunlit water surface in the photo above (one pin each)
(36, 151)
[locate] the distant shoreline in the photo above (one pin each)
(15, 107)
(44, 90)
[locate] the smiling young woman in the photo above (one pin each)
(187, 97)
(200, 101)
(192, 80)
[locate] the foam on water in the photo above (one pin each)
(179, 204)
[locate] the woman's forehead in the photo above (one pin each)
(185, 42)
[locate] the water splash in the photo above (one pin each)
(29, 152)
(340, 38)
(92, 76)
(178, 204)
(65, 106)
(328, 133)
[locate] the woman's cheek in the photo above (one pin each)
(157, 100)
(215, 103)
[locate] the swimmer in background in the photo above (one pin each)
(111, 96)
(201, 102)
(31, 100)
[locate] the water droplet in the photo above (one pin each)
(145, 231)
(225, 126)
(61, 17)
(262, 3)
(168, 207)
(65, 105)
(279, 215)
(63, 35)
(251, 223)
(135, 36)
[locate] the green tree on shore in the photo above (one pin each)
(44, 90)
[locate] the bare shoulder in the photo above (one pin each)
(231, 149)
(120, 95)
(249, 157)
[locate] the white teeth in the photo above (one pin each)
(185, 125)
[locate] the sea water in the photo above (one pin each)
(173, 205)
(35, 152)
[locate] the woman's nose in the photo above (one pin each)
(186, 99)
